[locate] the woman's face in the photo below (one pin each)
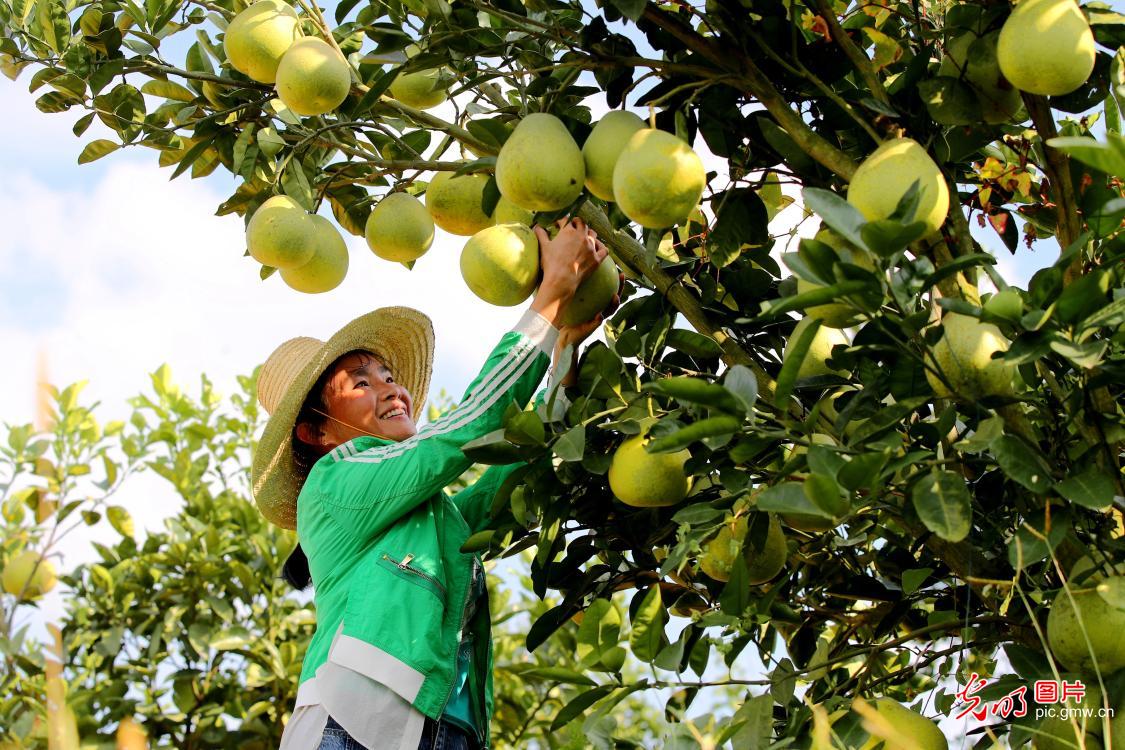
(363, 398)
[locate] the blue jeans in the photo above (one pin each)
(436, 735)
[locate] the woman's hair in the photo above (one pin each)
(296, 569)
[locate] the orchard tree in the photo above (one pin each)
(868, 457)
(190, 637)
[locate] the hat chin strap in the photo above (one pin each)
(357, 429)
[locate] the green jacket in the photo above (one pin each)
(383, 539)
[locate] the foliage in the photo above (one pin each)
(946, 524)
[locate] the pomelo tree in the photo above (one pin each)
(974, 427)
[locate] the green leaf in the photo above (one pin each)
(190, 157)
(492, 448)
(704, 428)
(577, 705)
(837, 213)
(120, 520)
(824, 492)
(296, 185)
(95, 150)
(913, 579)
(1090, 489)
(696, 391)
(942, 502)
(168, 90)
(735, 597)
(789, 497)
(647, 636)
(478, 541)
(693, 344)
(743, 385)
(631, 9)
(53, 25)
(525, 428)
(886, 236)
(558, 674)
(230, 639)
(571, 445)
(1022, 463)
(1108, 157)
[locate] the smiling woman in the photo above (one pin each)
(402, 654)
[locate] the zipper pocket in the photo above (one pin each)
(402, 567)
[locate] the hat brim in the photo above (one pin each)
(401, 337)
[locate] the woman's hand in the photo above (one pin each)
(566, 261)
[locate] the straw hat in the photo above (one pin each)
(402, 338)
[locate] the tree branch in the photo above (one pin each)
(1069, 225)
(756, 82)
(855, 55)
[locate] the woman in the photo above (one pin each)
(402, 653)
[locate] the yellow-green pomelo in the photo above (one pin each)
(280, 233)
(328, 265)
(313, 78)
(836, 314)
(507, 212)
(500, 264)
(720, 552)
(593, 295)
(1103, 625)
(909, 725)
(647, 480)
(1046, 47)
(540, 167)
(1057, 733)
(963, 355)
(455, 203)
(602, 147)
(421, 90)
(884, 177)
(258, 37)
(819, 350)
(399, 228)
(658, 179)
(28, 574)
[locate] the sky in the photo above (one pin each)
(110, 270)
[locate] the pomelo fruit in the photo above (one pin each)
(313, 78)
(455, 203)
(647, 480)
(29, 575)
(507, 212)
(819, 350)
(421, 90)
(257, 38)
(720, 552)
(500, 264)
(280, 233)
(836, 314)
(884, 177)
(540, 167)
(963, 355)
(399, 228)
(658, 179)
(922, 733)
(1046, 47)
(593, 295)
(602, 147)
(1103, 624)
(328, 265)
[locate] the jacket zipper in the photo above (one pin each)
(404, 565)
